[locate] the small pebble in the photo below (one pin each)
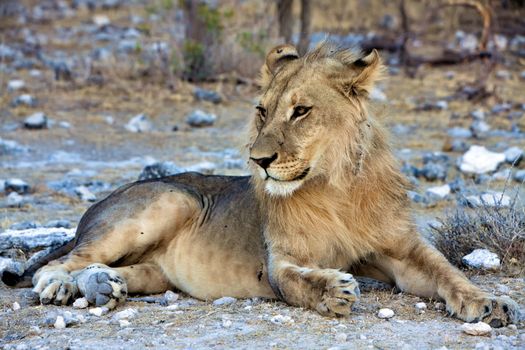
(123, 323)
(224, 301)
(60, 323)
(128, 313)
(81, 303)
(171, 297)
(479, 329)
(226, 323)
(341, 337)
(420, 307)
(280, 319)
(385, 313)
(98, 311)
(16, 306)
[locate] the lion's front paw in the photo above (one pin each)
(340, 293)
(55, 286)
(102, 286)
(479, 306)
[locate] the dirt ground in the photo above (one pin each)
(98, 149)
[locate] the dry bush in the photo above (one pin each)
(500, 230)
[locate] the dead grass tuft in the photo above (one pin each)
(498, 229)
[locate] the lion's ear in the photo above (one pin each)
(364, 73)
(275, 60)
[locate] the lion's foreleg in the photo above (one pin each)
(145, 278)
(331, 292)
(425, 271)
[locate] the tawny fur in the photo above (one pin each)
(326, 199)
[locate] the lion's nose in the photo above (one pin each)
(265, 162)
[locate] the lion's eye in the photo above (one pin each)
(300, 111)
(262, 112)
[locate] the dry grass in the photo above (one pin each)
(500, 230)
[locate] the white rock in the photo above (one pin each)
(480, 328)
(362, 337)
(123, 323)
(420, 306)
(479, 160)
(81, 303)
(14, 85)
(98, 311)
(139, 123)
(171, 297)
(85, 194)
(16, 306)
(199, 118)
(14, 199)
(341, 337)
(224, 301)
(172, 307)
(226, 323)
(482, 259)
(280, 319)
(513, 154)
(36, 120)
(385, 313)
(60, 323)
(377, 95)
(439, 191)
(101, 20)
(128, 313)
(493, 199)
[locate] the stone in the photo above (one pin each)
(226, 323)
(14, 267)
(501, 107)
(502, 175)
(101, 20)
(479, 160)
(80, 303)
(126, 314)
(36, 121)
(170, 297)
(23, 100)
(280, 319)
(15, 200)
(341, 337)
(459, 146)
(99, 311)
(503, 74)
(15, 306)
(16, 185)
(442, 105)
(60, 323)
(139, 123)
(439, 191)
(432, 171)
(482, 259)
(124, 323)
(14, 85)
(519, 176)
(207, 95)
(479, 129)
(224, 301)
(8, 147)
(385, 313)
(478, 329)
(420, 307)
(58, 224)
(85, 194)
(24, 225)
(199, 118)
(491, 199)
(158, 170)
(457, 132)
(478, 114)
(513, 155)
(35, 238)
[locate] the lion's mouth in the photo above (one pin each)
(301, 176)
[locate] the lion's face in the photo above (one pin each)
(308, 120)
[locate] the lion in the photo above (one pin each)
(326, 202)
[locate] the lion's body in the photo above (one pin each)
(326, 198)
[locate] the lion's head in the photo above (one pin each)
(311, 120)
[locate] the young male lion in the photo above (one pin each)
(326, 199)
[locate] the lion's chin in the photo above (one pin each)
(281, 188)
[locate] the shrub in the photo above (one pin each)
(498, 229)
